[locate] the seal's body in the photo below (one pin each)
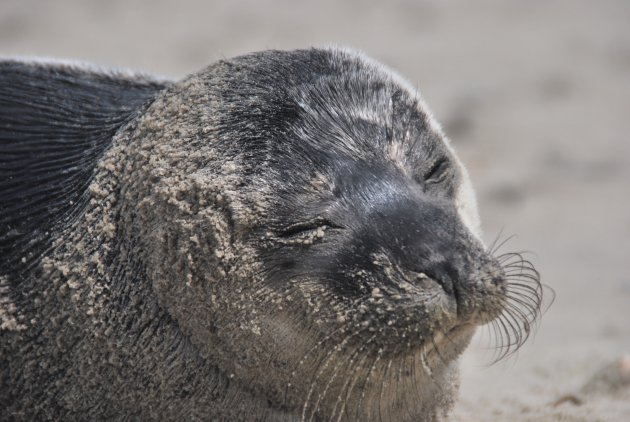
(282, 236)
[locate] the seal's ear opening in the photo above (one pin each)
(56, 120)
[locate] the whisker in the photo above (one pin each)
(335, 372)
(437, 350)
(367, 379)
(415, 377)
(491, 248)
(503, 348)
(524, 294)
(320, 369)
(348, 383)
(383, 381)
(500, 245)
(355, 378)
(399, 384)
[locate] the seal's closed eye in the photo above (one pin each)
(307, 226)
(439, 171)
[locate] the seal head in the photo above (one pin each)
(303, 224)
(350, 234)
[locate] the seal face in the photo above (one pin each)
(289, 230)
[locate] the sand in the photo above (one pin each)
(535, 96)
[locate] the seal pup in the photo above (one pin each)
(286, 235)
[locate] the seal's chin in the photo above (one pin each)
(463, 306)
(447, 346)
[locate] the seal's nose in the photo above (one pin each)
(419, 231)
(492, 276)
(428, 238)
(425, 235)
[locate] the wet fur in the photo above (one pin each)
(282, 236)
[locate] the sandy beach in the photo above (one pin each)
(534, 95)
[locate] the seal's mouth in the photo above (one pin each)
(504, 294)
(456, 338)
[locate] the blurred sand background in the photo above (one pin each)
(534, 94)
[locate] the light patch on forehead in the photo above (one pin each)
(395, 77)
(465, 199)
(321, 183)
(467, 207)
(370, 114)
(396, 152)
(358, 111)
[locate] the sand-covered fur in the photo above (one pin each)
(281, 236)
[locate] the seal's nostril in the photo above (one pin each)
(494, 277)
(447, 285)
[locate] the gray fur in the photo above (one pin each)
(255, 246)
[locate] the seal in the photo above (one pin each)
(286, 235)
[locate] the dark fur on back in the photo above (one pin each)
(55, 123)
